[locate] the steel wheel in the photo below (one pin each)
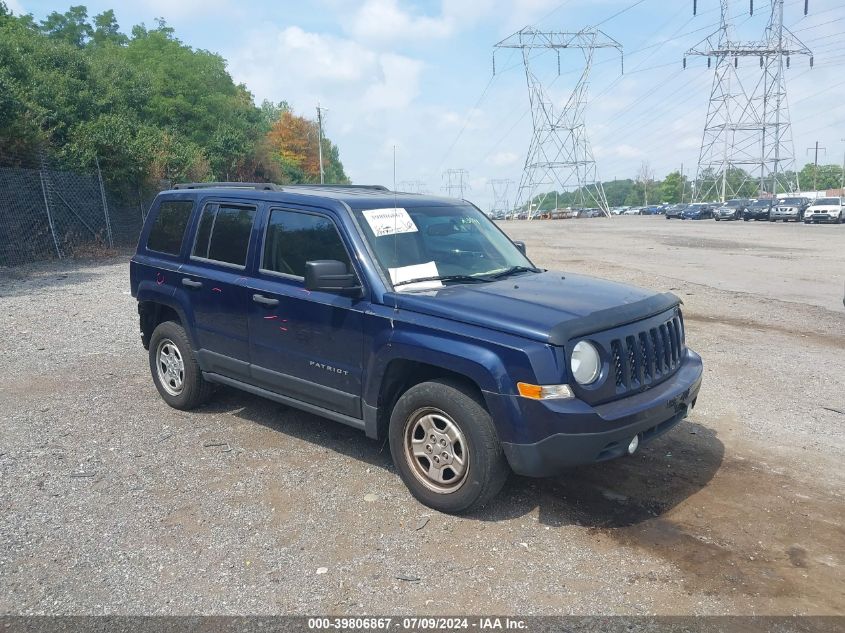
(436, 450)
(170, 367)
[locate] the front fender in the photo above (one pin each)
(495, 369)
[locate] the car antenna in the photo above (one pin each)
(395, 228)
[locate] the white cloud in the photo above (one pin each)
(502, 159)
(172, 11)
(385, 20)
(15, 7)
(304, 67)
(380, 21)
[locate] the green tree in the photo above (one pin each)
(148, 106)
(106, 29)
(674, 187)
(71, 26)
(826, 177)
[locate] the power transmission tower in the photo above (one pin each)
(501, 202)
(455, 182)
(559, 157)
(747, 134)
(413, 186)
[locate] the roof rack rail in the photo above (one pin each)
(261, 186)
(330, 186)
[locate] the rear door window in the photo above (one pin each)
(168, 229)
(223, 233)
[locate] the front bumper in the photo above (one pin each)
(577, 433)
(821, 217)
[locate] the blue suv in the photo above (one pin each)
(413, 318)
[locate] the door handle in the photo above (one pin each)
(265, 301)
(190, 283)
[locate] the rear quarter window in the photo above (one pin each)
(168, 229)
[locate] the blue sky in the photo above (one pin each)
(417, 75)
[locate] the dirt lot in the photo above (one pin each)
(111, 502)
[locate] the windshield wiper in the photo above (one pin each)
(461, 278)
(513, 270)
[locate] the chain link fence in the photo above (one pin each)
(47, 212)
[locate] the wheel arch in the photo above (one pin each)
(478, 370)
(156, 309)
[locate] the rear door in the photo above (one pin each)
(304, 345)
(214, 279)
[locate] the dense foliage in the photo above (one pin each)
(147, 106)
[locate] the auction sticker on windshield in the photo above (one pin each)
(389, 221)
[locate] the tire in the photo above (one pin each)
(176, 374)
(461, 426)
(717, 218)
(745, 219)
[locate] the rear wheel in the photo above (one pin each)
(445, 447)
(175, 371)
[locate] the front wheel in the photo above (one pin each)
(445, 447)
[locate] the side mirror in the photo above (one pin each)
(329, 275)
(520, 246)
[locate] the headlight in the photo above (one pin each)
(585, 363)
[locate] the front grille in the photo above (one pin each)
(647, 357)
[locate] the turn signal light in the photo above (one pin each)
(543, 392)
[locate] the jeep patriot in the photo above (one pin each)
(413, 318)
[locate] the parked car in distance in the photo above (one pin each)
(789, 208)
(675, 211)
(697, 211)
(759, 209)
(633, 211)
(825, 210)
(412, 318)
(731, 210)
(651, 210)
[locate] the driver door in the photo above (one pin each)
(307, 345)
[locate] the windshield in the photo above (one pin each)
(791, 201)
(733, 203)
(827, 201)
(762, 203)
(695, 207)
(456, 241)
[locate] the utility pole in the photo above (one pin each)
(842, 181)
(559, 156)
(747, 126)
(684, 182)
(454, 182)
(816, 163)
(320, 135)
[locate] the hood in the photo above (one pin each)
(823, 207)
(550, 307)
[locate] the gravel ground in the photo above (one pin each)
(111, 502)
